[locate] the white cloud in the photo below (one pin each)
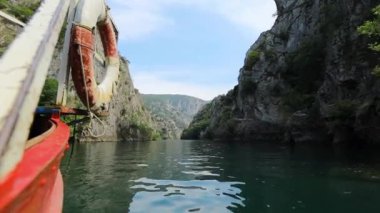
(137, 19)
(254, 15)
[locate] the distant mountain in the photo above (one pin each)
(172, 113)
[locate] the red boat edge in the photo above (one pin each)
(30, 179)
(36, 185)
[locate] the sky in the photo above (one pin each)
(190, 47)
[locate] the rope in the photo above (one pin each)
(89, 127)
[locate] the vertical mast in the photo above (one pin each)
(64, 69)
(23, 70)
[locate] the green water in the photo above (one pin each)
(202, 176)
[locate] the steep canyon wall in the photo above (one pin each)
(309, 78)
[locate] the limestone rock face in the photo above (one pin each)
(308, 78)
(172, 113)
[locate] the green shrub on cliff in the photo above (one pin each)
(140, 128)
(194, 131)
(49, 92)
(199, 124)
(21, 11)
(295, 100)
(343, 110)
(252, 57)
(284, 35)
(305, 66)
(371, 28)
(145, 131)
(333, 17)
(247, 86)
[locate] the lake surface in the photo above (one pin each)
(204, 176)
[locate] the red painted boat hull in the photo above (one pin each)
(36, 183)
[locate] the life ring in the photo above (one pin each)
(89, 15)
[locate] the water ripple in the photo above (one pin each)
(185, 196)
(200, 173)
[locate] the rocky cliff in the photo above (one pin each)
(172, 113)
(307, 79)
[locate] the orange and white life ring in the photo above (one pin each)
(89, 15)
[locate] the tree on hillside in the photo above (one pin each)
(371, 28)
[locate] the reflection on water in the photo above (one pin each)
(183, 196)
(202, 176)
(200, 173)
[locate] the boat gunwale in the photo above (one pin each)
(39, 138)
(31, 183)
